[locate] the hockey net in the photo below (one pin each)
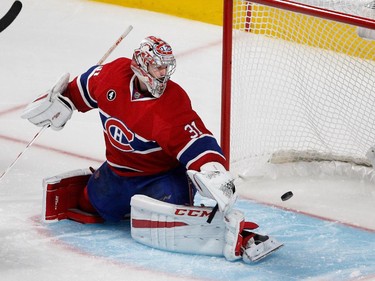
(298, 82)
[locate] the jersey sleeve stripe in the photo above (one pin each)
(192, 161)
(197, 147)
(189, 144)
(83, 85)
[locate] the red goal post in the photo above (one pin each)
(309, 65)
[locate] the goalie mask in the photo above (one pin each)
(156, 53)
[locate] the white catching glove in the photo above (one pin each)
(214, 182)
(51, 108)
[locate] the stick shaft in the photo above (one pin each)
(114, 46)
(22, 152)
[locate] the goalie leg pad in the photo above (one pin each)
(234, 235)
(62, 194)
(184, 229)
(176, 228)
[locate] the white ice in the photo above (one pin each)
(51, 37)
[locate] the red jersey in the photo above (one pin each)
(143, 135)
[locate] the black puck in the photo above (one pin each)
(287, 196)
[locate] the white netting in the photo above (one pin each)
(300, 83)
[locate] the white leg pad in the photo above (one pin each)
(185, 229)
(176, 228)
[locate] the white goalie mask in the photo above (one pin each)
(157, 53)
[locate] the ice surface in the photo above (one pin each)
(328, 235)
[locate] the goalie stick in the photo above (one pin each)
(106, 55)
(11, 15)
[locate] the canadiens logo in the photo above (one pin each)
(164, 49)
(119, 135)
(111, 95)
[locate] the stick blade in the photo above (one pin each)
(11, 15)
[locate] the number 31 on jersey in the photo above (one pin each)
(193, 130)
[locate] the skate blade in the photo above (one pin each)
(249, 259)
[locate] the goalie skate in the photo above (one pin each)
(259, 247)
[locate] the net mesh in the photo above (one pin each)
(300, 83)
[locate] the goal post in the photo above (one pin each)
(298, 82)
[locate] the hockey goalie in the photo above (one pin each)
(159, 154)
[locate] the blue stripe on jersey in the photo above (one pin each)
(83, 80)
(200, 146)
(124, 139)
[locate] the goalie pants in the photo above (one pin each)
(110, 193)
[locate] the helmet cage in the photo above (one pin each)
(153, 52)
